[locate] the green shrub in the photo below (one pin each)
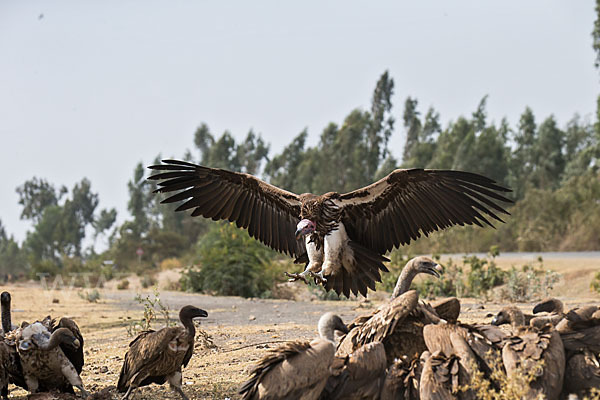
(123, 285)
(231, 263)
(148, 281)
(530, 282)
(595, 283)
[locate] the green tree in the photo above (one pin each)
(548, 150)
(381, 123)
(37, 194)
(412, 124)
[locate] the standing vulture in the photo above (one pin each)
(297, 370)
(455, 353)
(399, 323)
(7, 325)
(45, 366)
(533, 351)
(345, 235)
(158, 356)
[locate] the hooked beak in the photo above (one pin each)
(342, 328)
(203, 314)
(25, 345)
(76, 343)
(495, 321)
(436, 270)
(298, 234)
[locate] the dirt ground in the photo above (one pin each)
(238, 328)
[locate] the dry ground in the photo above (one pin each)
(216, 373)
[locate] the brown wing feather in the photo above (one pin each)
(268, 213)
(419, 202)
(145, 349)
(360, 376)
(378, 325)
(295, 370)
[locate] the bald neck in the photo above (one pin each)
(405, 279)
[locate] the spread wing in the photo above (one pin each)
(268, 213)
(410, 202)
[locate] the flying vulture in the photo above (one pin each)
(345, 235)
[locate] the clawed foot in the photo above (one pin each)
(318, 277)
(296, 277)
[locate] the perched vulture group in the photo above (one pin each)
(47, 356)
(407, 349)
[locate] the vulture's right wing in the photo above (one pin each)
(270, 214)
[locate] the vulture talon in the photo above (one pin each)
(295, 277)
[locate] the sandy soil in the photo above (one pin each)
(238, 328)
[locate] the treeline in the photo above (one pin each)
(553, 171)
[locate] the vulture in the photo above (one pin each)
(44, 364)
(399, 323)
(158, 356)
(7, 325)
(345, 236)
(298, 369)
(358, 376)
(579, 330)
(10, 363)
(530, 349)
(555, 309)
(402, 379)
(455, 352)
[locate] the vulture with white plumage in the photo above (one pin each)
(345, 235)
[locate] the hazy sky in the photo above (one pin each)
(89, 89)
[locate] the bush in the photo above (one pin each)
(123, 285)
(530, 283)
(170, 263)
(231, 263)
(148, 281)
(595, 283)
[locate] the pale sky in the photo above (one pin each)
(89, 89)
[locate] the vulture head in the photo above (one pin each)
(329, 323)
(509, 315)
(550, 305)
(191, 312)
(414, 267)
(305, 227)
(5, 298)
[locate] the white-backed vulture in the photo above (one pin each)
(358, 376)
(399, 323)
(158, 356)
(555, 309)
(532, 349)
(296, 370)
(579, 330)
(345, 235)
(44, 363)
(454, 352)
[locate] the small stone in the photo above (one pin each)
(251, 318)
(104, 369)
(55, 301)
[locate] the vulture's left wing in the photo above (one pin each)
(270, 214)
(411, 202)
